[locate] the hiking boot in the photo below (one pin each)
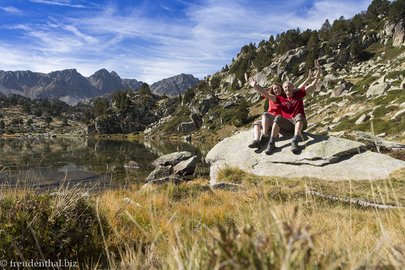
(270, 148)
(294, 147)
(254, 144)
(264, 140)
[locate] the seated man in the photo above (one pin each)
(292, 106)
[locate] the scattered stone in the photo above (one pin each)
(227, 186)
(186, 167)
(172, 158)
(164, 180)
(398, 115)
(377, 89)
(375, 141)
(132, 165)
(129, 201)
(187, 127)
(363, 118)
(158, 172)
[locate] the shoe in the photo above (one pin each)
(264, 140)
(254, 144)
(270, 148)
(294, 147)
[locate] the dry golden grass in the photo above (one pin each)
(179, 224)
(269, 223)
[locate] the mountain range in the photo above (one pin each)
(71, 87)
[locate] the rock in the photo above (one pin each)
(159, 172)
(227, 186)
(363, 118)
(398, 37)
(402, 105)
(229, 103)
(398, 115)
(132, 165)
(342, 86)
(197, 120)
(389, 29)
(375, 141)
(377, 89)
(164, 180)
(187, 127)
(172, 158)
(186, 167)
(323, 157)
(129, 201)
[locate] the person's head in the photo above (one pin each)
(276, 89)
(288, 88)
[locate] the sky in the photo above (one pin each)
(149, 40)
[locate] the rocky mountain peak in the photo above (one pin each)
(175, 85)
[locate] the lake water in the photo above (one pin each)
(50, 162)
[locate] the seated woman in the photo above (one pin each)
(261, 127)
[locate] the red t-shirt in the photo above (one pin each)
(274, 108)
(294, 105)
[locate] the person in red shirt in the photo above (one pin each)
(292, 117)
(261, 127)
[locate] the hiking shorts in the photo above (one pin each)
(288, 124)
(268, 116)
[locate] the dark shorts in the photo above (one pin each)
(288, 125)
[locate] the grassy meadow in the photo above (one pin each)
(266, 223)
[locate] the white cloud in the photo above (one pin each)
(66, 3)
(150, 49)
(12, 10)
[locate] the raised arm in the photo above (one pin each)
(259, 89)
(311, 87)
(308, 79)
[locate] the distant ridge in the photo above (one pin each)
(70, 86)
(175, 85)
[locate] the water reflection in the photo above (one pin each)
(44, 162)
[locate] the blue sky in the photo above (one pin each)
(151, 39)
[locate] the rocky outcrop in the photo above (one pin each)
(323, 157)
(175, 85)
(374, 141)
(172, 166)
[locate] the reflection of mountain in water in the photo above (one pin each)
(50, 162)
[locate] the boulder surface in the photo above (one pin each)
(323, 157)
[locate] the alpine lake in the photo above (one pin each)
(94, 163)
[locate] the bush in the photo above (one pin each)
(44, 227)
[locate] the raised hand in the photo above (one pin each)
(318, 66)
(310, 75)
(252, 82)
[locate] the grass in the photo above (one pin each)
(270, 223)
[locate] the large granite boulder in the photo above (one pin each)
(323, 157)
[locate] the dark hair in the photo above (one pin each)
(279, 85)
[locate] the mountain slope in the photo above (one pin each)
(175, 85)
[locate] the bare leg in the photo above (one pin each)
(298, 128)
(256, 132)
(265, 124)
(275, 130)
